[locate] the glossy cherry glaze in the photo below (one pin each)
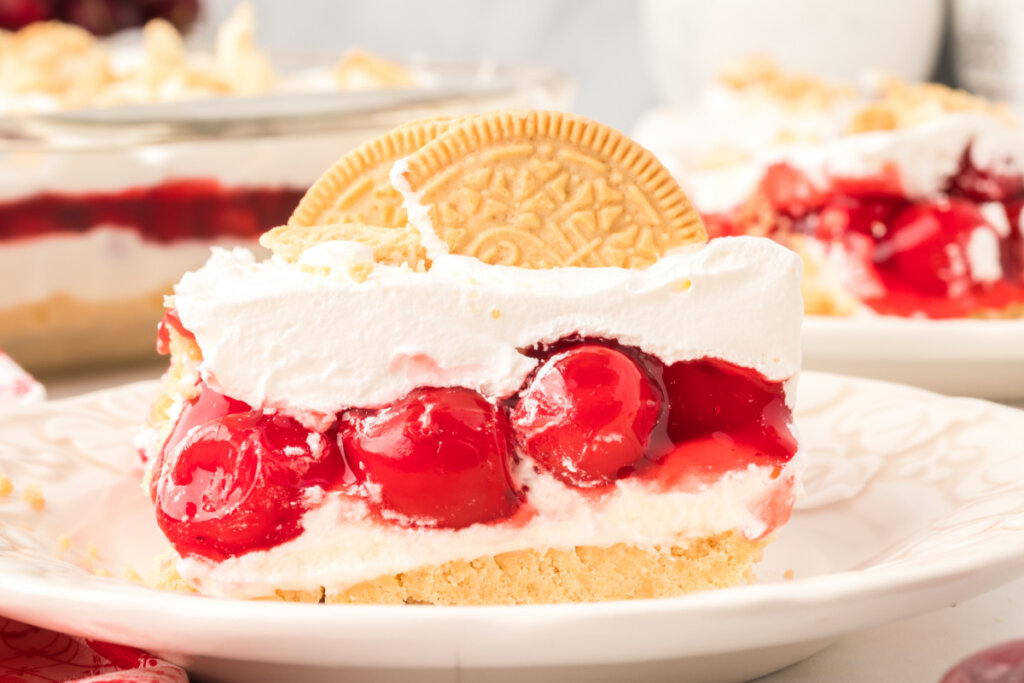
(174, 210)
(588, 414)
(437, 458)
(710, 397)
(206, 406)
(230, 479)
(236, 483)
(904, 258)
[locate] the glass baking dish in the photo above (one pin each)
(102, 210)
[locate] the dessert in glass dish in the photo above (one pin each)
(120, 165)
(491, 361)
(903, 199)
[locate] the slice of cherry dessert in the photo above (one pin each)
(545, 388)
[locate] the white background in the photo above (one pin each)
(596, 42)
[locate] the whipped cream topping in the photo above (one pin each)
(286, 336)
(106, 263)
(341, 545)
(926, 155)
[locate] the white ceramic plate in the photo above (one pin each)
(914, 502)
(983, 358)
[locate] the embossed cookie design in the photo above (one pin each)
(544, 189)
(356, 189)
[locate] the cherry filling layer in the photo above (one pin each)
(231, 479)
(174, 210)
(957, 255)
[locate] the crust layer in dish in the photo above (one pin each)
(64, 332)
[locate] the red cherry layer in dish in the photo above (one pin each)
(173, 210)
(956, 255)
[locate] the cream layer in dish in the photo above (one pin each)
(107, 263)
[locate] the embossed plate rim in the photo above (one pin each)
(842, 601)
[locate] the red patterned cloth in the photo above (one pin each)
(32, 655)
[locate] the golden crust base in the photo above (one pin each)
(582, 574)
(63, 332)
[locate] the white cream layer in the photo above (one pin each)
(278, 336)
(341, 546)
(926, 155)
(106, 263)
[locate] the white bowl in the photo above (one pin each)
(981, 358)
(688, 41)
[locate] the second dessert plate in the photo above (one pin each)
(970, 357)
(914, 502)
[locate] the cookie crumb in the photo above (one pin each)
(788, 576)
(33, 495)
(63, 543)
(100, 571)
(495, 313)
(92, 551)
(165, 575)
(131, 575)
(5, 486)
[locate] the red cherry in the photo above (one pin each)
(985, 185)
(1003, 663)
(703, 460)
(235, 484)
(711, 396)
(926, 247)
(16, 14)
(102, 17)
(721, 224)
(209, 405)
(1013, 246)
(887, 183)
(844, 215)
(439, 457)
(181, 13)
(588, 415)
(790, 191)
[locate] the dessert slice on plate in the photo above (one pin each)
(545, 388)
(903, 199)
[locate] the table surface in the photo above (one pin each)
(918, 649)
